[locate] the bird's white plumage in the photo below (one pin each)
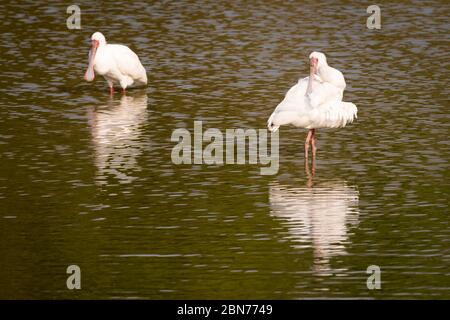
(117, 63)
(322, 107)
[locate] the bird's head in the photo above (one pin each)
(317, 59)
(97, 40)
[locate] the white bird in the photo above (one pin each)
(315, 102)
(117, 63)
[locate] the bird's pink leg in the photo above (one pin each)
(111, 90)
(308, 139)
(313, 142)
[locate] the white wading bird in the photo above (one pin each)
(117, 63)
(315, 102)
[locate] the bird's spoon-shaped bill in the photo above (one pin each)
(312, 71)
(90, 75)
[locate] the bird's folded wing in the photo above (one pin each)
(127, 61)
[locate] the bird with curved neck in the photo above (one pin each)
(322, 72)
(117, 63)
(315, 102)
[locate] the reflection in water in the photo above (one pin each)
(117, 137)
(317, 215)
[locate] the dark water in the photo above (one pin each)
(88, 180)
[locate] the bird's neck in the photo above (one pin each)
(322, 69)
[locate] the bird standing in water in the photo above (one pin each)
(117, 63)
(315, 102)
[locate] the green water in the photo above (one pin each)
(88, 180)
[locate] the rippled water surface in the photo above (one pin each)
(87, 179)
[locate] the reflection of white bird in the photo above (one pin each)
(117, 63)
(318, 216)
(117, 137)
(315, 102)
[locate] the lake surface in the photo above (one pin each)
(86, 179)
